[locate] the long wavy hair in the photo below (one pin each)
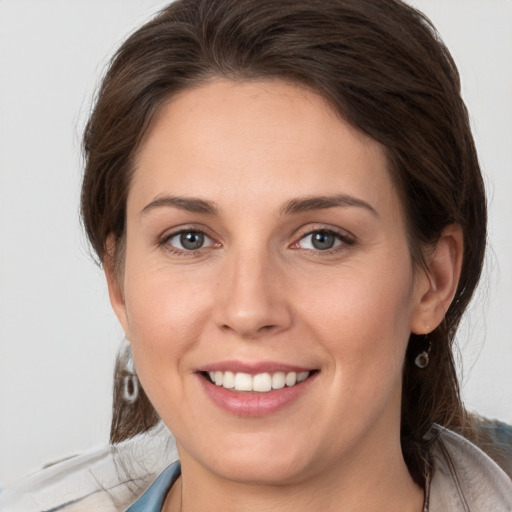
(383, 68)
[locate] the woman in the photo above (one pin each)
(288, 207)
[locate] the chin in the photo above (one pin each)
(258, 458)
(269, 470)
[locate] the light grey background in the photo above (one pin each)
(58, 336)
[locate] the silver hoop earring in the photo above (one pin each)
(423, 358)
(130, 383)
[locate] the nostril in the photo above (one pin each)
(249, 331)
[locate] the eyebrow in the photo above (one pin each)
(306, 204)
(190, 204)
(292, 207)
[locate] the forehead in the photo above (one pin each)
(230, 138)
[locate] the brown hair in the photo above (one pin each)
(381, 64)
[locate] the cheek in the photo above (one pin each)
(165, 315)
(364, 319)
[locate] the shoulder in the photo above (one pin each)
(464, 477)
(108, 479)
(495, 438)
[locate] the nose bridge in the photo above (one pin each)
(253, 300)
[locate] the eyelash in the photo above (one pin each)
(341, 236)
(165, 242)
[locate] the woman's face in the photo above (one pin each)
(266, 250)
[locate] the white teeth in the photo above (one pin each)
(291, 379)
(278, 380)
(243, 382)
(302, 376)
(261, 383)
(229, 380)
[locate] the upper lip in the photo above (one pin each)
(252, 368)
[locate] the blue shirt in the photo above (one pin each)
(153, 499)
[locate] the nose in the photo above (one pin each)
(252, 297)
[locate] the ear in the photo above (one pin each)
(114, 276)
(436, 285)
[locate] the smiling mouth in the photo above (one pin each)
(260, 383)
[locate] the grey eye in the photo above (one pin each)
(320, 240)
(323, 240)
(191, 240)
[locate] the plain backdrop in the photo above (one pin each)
(58, 337)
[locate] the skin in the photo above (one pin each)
(258, 290)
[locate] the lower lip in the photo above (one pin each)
(252, 403)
